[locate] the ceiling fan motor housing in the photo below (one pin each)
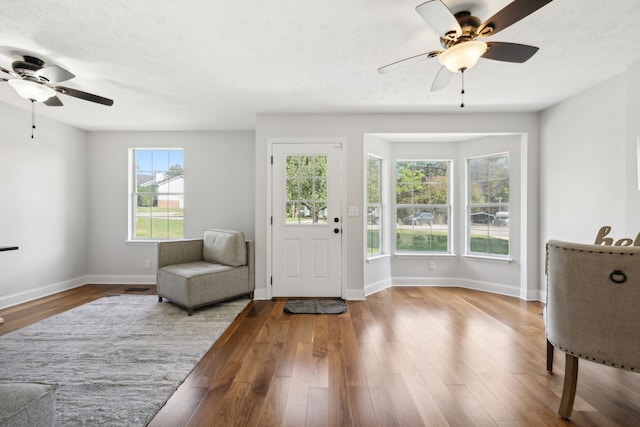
(469, 25)
(28, 67)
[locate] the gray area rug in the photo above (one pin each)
(115, 360)
(315, 306)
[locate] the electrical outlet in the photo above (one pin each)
(432, 265)
(147, 264)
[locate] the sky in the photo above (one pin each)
(158, 160)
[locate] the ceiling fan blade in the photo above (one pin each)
(411, 60)
(510, 14)
(84, 95)
(438, 16)
(509, 52)
(442, 79)
(11, 73)
(54, 74)
(54, 101)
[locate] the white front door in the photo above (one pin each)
(307, 223)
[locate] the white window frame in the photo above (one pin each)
(375, 211)
(492, 226)
(134, 193)
(448, 207)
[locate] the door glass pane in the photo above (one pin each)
(306, 188)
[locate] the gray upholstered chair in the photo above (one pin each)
(198, 272)
(593, 295)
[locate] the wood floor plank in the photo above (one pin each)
(318, 408)
(362, 412)
(406, 356)
(274, 404)
(338, 397)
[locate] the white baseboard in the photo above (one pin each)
(43, 291)
(496, 288)
(54, 288)
(542, 296)
(355, 295)
(260, 294)
(372, 288)
(122, 280)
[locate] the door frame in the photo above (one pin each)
(269, 210)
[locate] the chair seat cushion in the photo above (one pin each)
(194, 269)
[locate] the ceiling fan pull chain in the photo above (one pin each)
(462, 90)
(33, 117)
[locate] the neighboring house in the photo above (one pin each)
(166, 188)
(171, 185)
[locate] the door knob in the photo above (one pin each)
(336, 219)
(336, 230)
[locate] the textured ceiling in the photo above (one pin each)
(214, 64)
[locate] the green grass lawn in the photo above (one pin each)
(410, 241)
(436, 241)
(489, 245)
(373, 241)
(162, 228)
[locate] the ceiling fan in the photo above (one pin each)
(37, 82)
(459, 34)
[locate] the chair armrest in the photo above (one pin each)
(179, 251)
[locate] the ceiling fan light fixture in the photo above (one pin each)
(32, 90)
(462, 56)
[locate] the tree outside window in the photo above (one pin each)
(488, 205)
(423, 206)
(157, 198)
(306, 190)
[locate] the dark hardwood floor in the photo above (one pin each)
(404, 357)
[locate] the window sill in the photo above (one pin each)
(488, 259)
(423, 255)
(141, 242)
(377, 258)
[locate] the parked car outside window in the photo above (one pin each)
(482, 218)
(502, 218)
(420, 218)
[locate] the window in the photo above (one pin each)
(306, 190)
(157, 194)
(488, 205)
(423, 206)
(374, 205)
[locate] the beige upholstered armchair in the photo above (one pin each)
(592, 311)
(199, 272)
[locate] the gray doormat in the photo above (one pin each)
(315, 306)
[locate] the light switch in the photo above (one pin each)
(353, 211)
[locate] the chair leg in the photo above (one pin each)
(159, 298)
(549, 356)
(569, 387)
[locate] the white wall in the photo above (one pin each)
(43, 206)
(632, 140)
(583, 169)
(219, 193)
(589, 170)
(353, 127)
